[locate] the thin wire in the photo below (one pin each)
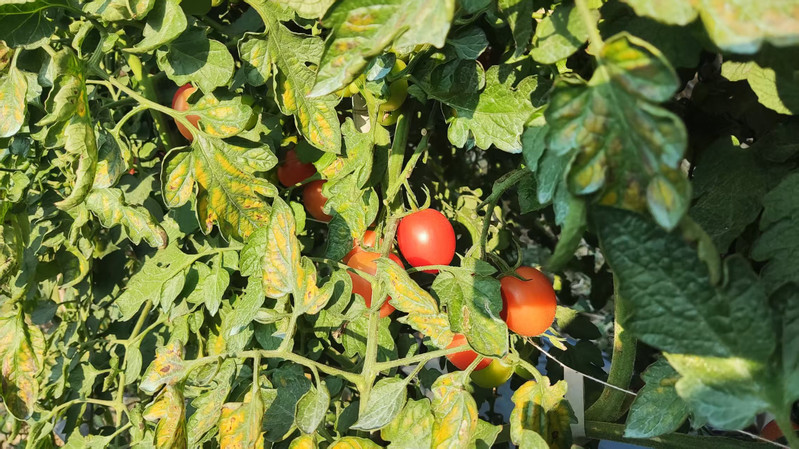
(551, 357)
(758, 437)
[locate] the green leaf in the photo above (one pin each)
(211, 286)
(208, 406)
(116, 10)
(13, 87)
(495, 116)
(469, 43)
(193, 58)
(412, 428)
(542, 409)
(311, 409)
(675, 12)
(290, 55)
(28, 24)
(455, 412)
(657, 409)
(788, 301)
(22, 348)
(771, 77)
(228, 193)
(778, 243)
(534, 143)
(571, 216)
(244, 310)
(386, 399)
(356, 334)
(362, 29)
(152, 281)
(740, 26)
(485, 435)
(164, 24)
(624, 142)
(473, 307)
(78, 441)
(422, 309)
(291, 385)
(80, 141)
(110, 207)
(309, 9)
(729, 183)
(518, 14)
(559, 35)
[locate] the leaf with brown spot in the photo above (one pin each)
(22, 349)
(240, 424)
(168, 368)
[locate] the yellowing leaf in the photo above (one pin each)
(109, 206)
(169, 410)
(22, 352)
(543, 409)
(228, 193)
(13, 87)
(455, 412)
(304, 442)
(240, 424)
(354, 443)
(408, 297)
(168, 368)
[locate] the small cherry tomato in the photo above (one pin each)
(465, 358)
(293, 171)
(426, 237)
(495, 374)
(180, 102)
(386, 118)
(365, 261)
(314, 201)
(368, 241)
(397, 90)
(528, 307)
(772, 432)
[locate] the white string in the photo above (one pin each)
(758, 437)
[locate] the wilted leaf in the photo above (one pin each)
(169, 410)
(168, 368)
(354, 443)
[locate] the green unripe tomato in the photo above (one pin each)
(386, 118)
(398, 92)
(494, 375)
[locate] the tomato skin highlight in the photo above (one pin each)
(365, 261)
(314, 201)
(293, 171)
(426, 237)
(528, 307)
(463, 359)
(180, 102)
(495, 374)
(368, 241)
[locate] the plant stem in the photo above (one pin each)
(784, 423)
(610, 405)
(150, 93)
(615, 432)
(418, 358)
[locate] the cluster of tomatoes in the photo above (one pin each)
(425, 238)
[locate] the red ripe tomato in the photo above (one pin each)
(180, 102)
(365, 261)
(314, 201)
(772, 432)
(465, 358)
(293, 171)
(426, 237)
(528, 307)
(368, 241)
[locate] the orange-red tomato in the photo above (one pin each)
(180, 102)
(365, 261)
(465, 358)
(528, 307)
(314, 201)
(293, 171)
(426, 237)
(368, 241)
(772, 432)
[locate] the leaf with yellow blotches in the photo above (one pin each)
(169, 410)
(455, 412)
(422, 309)
(138, 223)
(228, 193)
(412, 428)
(543, 409)
(13, 87)
(293, 58)
(22, 350)
(221, 118)
(240, 424)
(304, 442)
(168, 368)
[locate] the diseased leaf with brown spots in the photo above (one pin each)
(422, 309)
(455, 412)
(543, 409)
(169, 410)
(292, 56)
(22, 350)
(240, 424)
(168, 368)
(228, 193)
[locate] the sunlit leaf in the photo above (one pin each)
(13, 87)
(164, 23)
(354, 443)
(455, 412)
(386, 399)
(311, 409)
(543, 409)
(168, 368)
(169, 410)
(412, 428)
(559, 35)
(192, 57)
(22, 349)
(240, 424)
(109, 206)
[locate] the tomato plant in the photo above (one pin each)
(426, 237)
(529, 303)
(185, 269)
(365, 261)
